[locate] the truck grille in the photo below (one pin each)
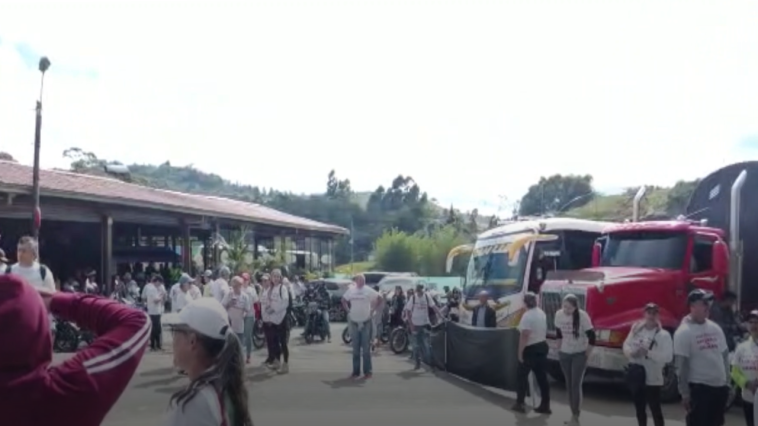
(551, 301)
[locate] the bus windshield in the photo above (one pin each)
(494, 273)
(645, 249)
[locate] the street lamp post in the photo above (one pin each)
(44, 65)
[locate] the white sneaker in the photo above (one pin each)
(284, 369)
(574, 421)
(275, 365)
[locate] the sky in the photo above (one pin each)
(473, 99)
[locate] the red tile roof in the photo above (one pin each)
(108, 190)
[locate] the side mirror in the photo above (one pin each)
(720, 259)
(596, 250)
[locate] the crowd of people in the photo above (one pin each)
(699, 349)
(213, 330)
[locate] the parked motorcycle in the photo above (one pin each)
(316, 326)
(65, 337)
(346, 337)
(337, 313)
(400, 339)
(259, 336)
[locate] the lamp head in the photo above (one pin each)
(44, 64)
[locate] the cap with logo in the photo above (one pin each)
(205, 316)
(184, 279)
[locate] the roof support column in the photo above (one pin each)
(186, 248)
(106, 253)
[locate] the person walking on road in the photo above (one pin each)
(573, 327)
(205, 346)
(237, 305)
(701, 357)
(649, 348)
(278, 300)
(359, 302)
(154, 295)
(532, 355)
(82, 390)
(745, 368)
(417, 310)
(252, 295)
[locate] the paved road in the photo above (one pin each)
(317, 390)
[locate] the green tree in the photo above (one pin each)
(472, 227)
(493, 222)
(425, 254)
(679, 196)
(7, 157)
(551, 194)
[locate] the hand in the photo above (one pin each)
(47, 296)
(686, 403)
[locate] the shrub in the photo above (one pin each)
(424, 254)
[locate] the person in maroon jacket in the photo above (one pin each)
(81, 390)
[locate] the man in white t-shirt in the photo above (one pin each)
(220, 286)
(179, 293)
(701, 356)
(154, 294)
(34, 273)
(360, 301)
(417, 315)
(532, 355)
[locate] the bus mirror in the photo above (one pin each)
(720, 258)
(455, 252)
(596, 249)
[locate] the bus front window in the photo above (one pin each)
(494, 273)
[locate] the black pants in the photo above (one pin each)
(278, 338)
(156, 332)
(747, 408)
(707, 405)
(268, 333)
(648, 396)
(535, 360)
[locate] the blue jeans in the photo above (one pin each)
(361, 336)
(248, 335)
(421, 348)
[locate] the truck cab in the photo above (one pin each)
(634, 264)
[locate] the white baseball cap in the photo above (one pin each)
(205, 316)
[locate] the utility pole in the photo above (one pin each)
(44, 65)
(352, 243)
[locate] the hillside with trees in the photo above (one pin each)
(398, 224)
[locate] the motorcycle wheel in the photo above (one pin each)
(259, 337)
(346, 338)
(385, 337)
(399, 340)
(66, 342)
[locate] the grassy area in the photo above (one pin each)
(354, 268)
(619, 207)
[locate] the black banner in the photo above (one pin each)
(482, 355)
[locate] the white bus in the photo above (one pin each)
(512, 259)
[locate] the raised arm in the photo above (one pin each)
(92, 381)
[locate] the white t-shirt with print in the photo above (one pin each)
(238, 306)
(705, 345)
(203, 409)
(219, 288)
(155, 297)
(746, 358)
(360, 300)
(418, 307)
(570, 343)
(535, 321)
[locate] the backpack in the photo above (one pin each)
(428, 301)
(42, 271)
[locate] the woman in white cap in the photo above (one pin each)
(208, 350)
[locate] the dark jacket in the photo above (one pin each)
(490, 318)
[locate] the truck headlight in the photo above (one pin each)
(609, 336)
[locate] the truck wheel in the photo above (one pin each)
(554, 370)
(670, 389)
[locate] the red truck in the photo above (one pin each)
(636, 263)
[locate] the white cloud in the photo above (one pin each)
(475, 100)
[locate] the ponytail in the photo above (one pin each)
(226, 375)
(577, 322)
